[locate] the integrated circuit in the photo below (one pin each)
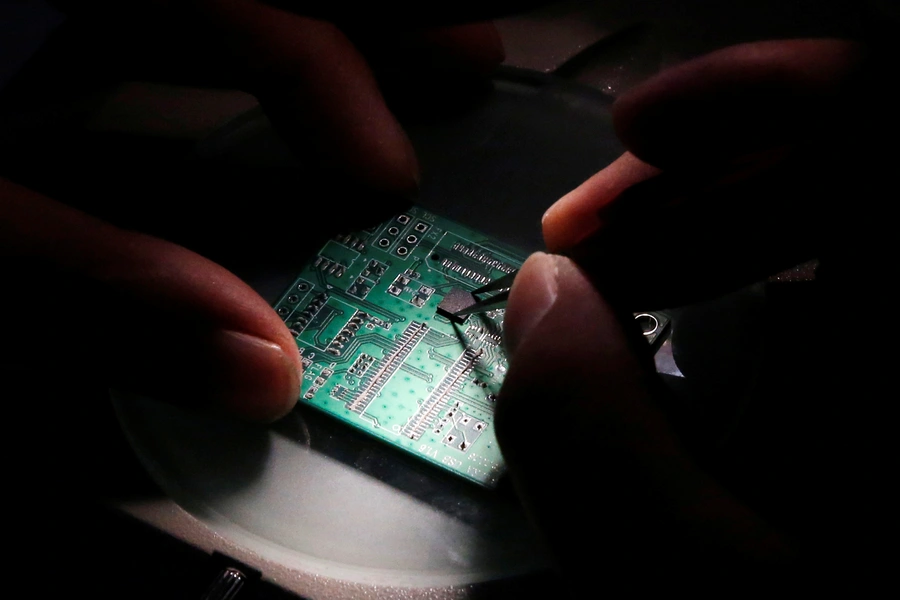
(454, 301)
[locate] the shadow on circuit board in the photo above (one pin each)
(486, 509)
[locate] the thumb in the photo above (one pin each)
(593, 455)
(139, 312)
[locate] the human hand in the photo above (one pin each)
(740, 163)
(320, 83)
(605, 467)
(633, 491)
(153, 317)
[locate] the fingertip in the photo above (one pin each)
(319, 92)
(736, 100)
(347, 130)
(291, 352)
(472, 48)
(557, 323)
(258, 379)
(399, 172)
(576, 215)
(561, 224)
(496, 52)
(476, 47)
(531, 297)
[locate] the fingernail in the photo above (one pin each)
(254, 377)
(580, 213)
(564, 224)
(531, 298)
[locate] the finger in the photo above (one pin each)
(316, 88)
(740, 100)
(312, 81)
(148, 315)
(576, 215)
(742, 196)
(474, 48)
(710, 237)
(438, 71)
(611, 473)
(413, 15)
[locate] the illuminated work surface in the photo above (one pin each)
(318, 506)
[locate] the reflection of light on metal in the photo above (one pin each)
(226, 586)
(649, 324)
(665, 360)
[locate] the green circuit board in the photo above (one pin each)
(372, 314)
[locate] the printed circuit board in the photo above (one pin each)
(372, 314)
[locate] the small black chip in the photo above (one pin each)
(455, 300)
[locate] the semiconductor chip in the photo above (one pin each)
(454, 301)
